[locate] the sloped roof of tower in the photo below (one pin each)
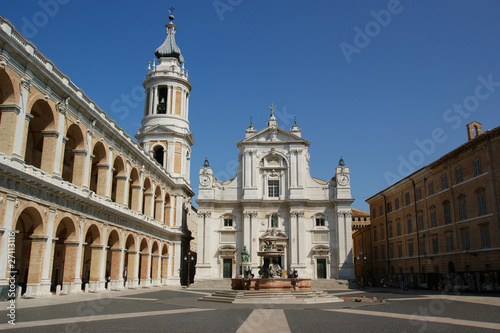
(169, 48)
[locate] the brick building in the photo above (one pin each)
(440, 225)
(360, 219)
(82, 202)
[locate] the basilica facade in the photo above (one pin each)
(274, 200)
(83, 205)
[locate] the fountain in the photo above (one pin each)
(270, 273)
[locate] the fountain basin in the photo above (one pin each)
(270, 284)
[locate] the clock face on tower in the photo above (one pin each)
(205, 180)
(343, 179)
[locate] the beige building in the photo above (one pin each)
(440, 226)
(81, 202)
(360, 219)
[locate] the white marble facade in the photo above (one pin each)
(274, 197)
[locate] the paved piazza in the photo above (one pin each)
(174, 309)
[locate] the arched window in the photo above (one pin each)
(39, 140)
(99, 170)
(159, 153)
(73, 157)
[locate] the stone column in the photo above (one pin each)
(47, 267)
(254, 234)
(173, 200)
(10, 118)
(164, 269)
(76, 286)
(59, 151)
(247, 234)
(201, 238)
(300, 168)
(22, 118)
(79, 168)
(246, 169)
(104, 254)
(293, 168)
(136, 197)
(88, 161)
(121, 190)
(169, 100)
(148, 203)
(178, 211)
(301, 235)
(188, 164)
(293, 241)
(132, 268)
(176, 256)
(154, 102)
(174, 98)
(33, 286)
(123, 253)
(102, 179)
(109, 174)
(148, 267)
(149, 106)
(137, 261)
(171, 156)
(341, 253)
(155, 269)
(8, 224)
(49, 150)
(70, 264)
(158, 209)
(95, 267)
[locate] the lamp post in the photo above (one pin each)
(361, 257)
(188, 258)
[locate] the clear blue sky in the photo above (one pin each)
(368, 96)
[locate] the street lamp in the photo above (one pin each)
(361, 257)
(188, 258)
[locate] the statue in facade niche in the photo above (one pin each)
(245, 256)
(274, 221)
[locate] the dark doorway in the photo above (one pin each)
(227, 269)
(321, 266)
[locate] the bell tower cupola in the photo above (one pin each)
(164, 131)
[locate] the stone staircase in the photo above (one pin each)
(332, 284)
(216, 284)
(271, 297)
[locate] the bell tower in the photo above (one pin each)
(164, 131)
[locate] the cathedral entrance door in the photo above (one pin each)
(321, 268)
(227, 269)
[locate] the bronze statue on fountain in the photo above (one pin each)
(271, 273)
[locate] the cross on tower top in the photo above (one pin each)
(171, 10)
(272, 107)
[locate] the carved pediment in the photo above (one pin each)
(273, 135)
(273, 234)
